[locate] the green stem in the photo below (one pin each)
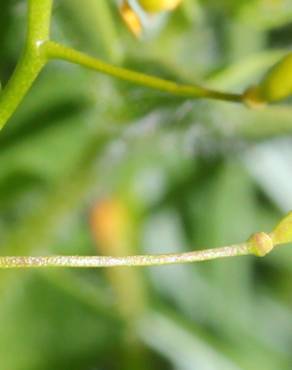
(109, 261)
(57, 51)
(39, 20)
(32, 60)
(38, 50)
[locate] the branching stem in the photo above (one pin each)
(39, 50)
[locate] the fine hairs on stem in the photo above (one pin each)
(109, 261)
(258, 244)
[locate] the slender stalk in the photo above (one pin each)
(109, 261)
(32, 60)
(56, 51)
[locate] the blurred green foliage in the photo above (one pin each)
(191, 173)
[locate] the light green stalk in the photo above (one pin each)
(57, 51)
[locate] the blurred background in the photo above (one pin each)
(91, 165)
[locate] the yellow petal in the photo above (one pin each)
(131, 19)
(154, 6)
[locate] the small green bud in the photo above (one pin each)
(260, 244)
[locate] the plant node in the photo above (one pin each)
(260, 244)
(252, 98)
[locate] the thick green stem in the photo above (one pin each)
(39, 20)
(25, 74)
(109, 261)
(57, 51)
(32, 60)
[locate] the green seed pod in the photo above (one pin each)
(277, 84)
(154, 6)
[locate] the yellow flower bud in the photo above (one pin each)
(277, 84)
(154, 6)
(283, 231)
(110, 224)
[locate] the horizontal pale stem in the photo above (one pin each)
(109, 261)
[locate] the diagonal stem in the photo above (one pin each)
(56, 51)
